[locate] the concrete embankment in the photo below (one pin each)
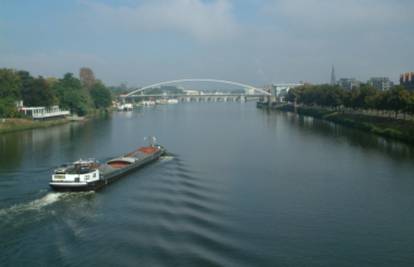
(399, 129)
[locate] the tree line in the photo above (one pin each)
(80, 96)
(397, 99)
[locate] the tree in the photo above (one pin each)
(87, 77)
(101, 96)
(36, 91)
(71, 96)
(410, 106)
(9, 84)
(398, 99)
(9, 92)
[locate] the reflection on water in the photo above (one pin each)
(353, 137)
(238, 187)
(17, 146)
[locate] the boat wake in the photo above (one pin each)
(36, 204)
(166, 158)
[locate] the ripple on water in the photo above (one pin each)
(176, 211)
(18, 215)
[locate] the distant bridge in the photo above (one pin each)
(260, 91)
(202, 97)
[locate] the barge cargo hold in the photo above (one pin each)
(87, 175)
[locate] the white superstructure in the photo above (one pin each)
(79, 173)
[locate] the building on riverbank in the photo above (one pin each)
(407, 80)
(42, 113)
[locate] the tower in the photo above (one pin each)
(333, 78)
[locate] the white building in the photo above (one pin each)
(44, 112)
(282, 89)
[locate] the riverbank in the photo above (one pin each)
(402, 130)
(13, 125)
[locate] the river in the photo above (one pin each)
(240, 187)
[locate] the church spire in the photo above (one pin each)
(333, 78)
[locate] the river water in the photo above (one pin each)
(240, 187)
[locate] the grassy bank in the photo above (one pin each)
(388, 127)
(13, 125)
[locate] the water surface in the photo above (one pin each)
(241, 187)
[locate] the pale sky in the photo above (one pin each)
(255, 42)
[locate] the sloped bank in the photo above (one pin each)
(402, 130)
(13, 125)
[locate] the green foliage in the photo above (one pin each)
(387, 127)
(365, 97)
(67, 92)
(71, 95)
(101, 96)
(10, 84)
(8, 108)
(398, 99)
(37, 92)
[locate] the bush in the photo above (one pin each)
(8, 108)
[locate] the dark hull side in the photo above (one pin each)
(109, 178)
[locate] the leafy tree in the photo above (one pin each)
(9, 84)
(8, 108)
(410, 106)
(37, 92)
(398, 99)
(101, 96)
(294, 94)
(71, 96)
(26, 82)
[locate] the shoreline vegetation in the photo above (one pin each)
(389, 127)
(385, 113)
(85, 97)
(9, 125)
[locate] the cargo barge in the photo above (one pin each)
(87, 175)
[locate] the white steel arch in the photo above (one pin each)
(196, 80)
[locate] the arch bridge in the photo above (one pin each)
(257, 91)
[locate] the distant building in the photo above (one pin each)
(249, 91)
(349, 83)
(333, 77)
(407, 80)
(280, 90)
(381, 83)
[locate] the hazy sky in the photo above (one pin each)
(255, 41)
